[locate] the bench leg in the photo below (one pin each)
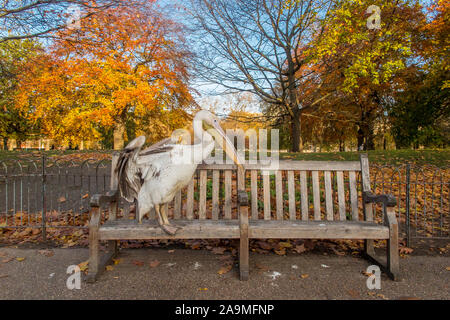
(94, 225)
(392, 265)
(244, 259)
(243, 245)
(392, 252)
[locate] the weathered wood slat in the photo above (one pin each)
(215, 194)
(202, 198)
(266, 191)
(304, 195)
(190, 229)
(190, 201)
(341, 195)
(227, 204)
(291, 165)
(254, 193)
(365, 181)
(328, 196)
(353, 195)
(317, 230)
(291, 194)
(316, 194)
(177, 205)
(279, 194)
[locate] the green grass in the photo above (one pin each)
(394, 157)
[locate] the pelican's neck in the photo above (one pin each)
(201, 136)
(204, 142)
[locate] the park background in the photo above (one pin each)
(81, 78)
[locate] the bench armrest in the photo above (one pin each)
(98, 200)
(389, 202)
(387, 199)
(242, 198)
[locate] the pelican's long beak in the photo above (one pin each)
(228, 147)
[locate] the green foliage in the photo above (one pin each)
(421, 113)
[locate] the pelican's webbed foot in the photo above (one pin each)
(170, 229)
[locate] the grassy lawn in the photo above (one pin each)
(435, 157)
(395, 157)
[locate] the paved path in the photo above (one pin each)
(193, 274)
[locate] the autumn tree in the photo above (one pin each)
(14, 55)
(122, 66)
(420, 114)
(254, 46)
(368, 51)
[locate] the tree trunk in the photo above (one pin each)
(361, 145)
(119, 130)
(296, 134)
(5, 143)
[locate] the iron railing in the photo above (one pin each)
(45, 193)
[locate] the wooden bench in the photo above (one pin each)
(313, 200)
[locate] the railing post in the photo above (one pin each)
(408, 188)
(44, 204)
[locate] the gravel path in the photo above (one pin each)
(193, 274)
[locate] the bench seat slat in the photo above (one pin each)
(149, 229)
(317, 230)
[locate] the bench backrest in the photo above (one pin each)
(298, 190)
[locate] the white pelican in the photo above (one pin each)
(154, 175)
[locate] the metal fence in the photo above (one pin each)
(44, 193)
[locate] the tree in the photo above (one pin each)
(26, 19)
(13, 57)
(124, 65)
(258, 46)
(420, 114)
(369, 62)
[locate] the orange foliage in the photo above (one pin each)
(123, 63)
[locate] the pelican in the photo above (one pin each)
(151, 177)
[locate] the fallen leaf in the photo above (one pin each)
(300, 248)
(47, 253)
(117, 261)
(20, 259)
(7, 260)
(85, 196)
(154, 264)
(171, 251)
(224, 269)
(448, 268)
(367, 274)
(109, 268)
(304, 276)
(354, 294)
(280, 252)
(62, 199)
(3, 276)
(202, 289)
(138, 263)
(83, 265)
(218, 250)
(283, 244)
(382, 296)
(264, 245)
(405, 250)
